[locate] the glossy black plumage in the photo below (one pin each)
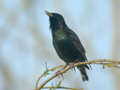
(67, 43)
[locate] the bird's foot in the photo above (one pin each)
(71, 66)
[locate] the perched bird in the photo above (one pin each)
(67, 43)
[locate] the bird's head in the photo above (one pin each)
(56, 20)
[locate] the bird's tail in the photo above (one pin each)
(83, 72)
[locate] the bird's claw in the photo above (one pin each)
(71, 66)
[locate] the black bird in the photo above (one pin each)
(67, 43)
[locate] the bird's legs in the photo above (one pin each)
(71, 65)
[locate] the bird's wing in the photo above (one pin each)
(77, 43)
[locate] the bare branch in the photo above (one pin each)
(105, 62)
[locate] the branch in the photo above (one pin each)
(105, 62)
(61, 87)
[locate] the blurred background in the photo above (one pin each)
(26, 42)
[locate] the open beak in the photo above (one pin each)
(48, 13)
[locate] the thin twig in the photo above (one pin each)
(44, 73)
(61, 87)
(105, 62)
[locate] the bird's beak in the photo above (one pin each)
(48, 13)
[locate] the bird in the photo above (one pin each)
(66, 43)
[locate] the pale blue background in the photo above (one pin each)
(26, 43)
